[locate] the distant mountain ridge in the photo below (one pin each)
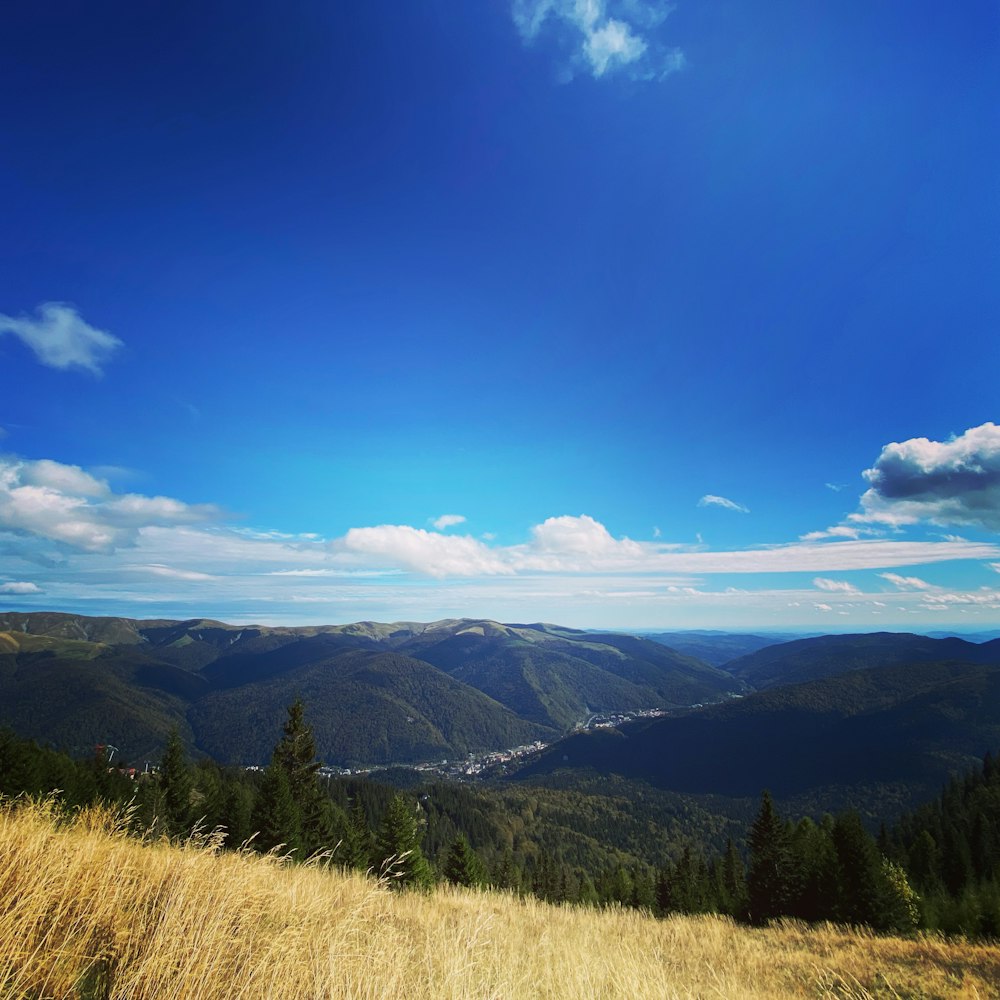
(883, 736)
(377, 692)
(830, 655)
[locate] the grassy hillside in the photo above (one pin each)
(93, 914)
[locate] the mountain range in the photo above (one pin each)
(376, 693)
(875, 721)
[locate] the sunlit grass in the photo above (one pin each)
(87, 911)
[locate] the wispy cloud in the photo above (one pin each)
(835, 586)
(20, 587)
(61, 338)
(710, 500)
(602, 37)
(907, 582)
(448, 521)
(77, 539)
(984, 597)
(172, 573)
(837, 531)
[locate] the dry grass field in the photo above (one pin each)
(86, 911)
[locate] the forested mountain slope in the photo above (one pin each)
(378, 693)
(829, 655)
(890, 734)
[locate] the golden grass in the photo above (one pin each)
(86, 911)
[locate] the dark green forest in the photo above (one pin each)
(938, 867)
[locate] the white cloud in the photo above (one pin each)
(603, 36)
(611, 44)
(950, 482)
(835, 586)
(65, 504)
(837, 531)
(20, 587)
(985, 596)
(82, 541)
(710, 500)
(581, 544)
(423, 551)
(61, 338)
(822, 607)
(907, 582)
(158, 569)
(448, 521)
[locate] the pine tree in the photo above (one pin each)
(295, 754)
(176, 786)
(506, 874)
(770, 877)
(398, 849)
(356, 850)
(276, 815)
(236, 813)
(859, 872)
(816, 870)
(462, 866)
(734, 884)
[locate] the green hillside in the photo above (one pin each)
(879, 739)
(830, 655)
(379, 693)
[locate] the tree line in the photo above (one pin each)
(937, 868)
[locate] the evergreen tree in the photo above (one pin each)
(859, 873)
(734, 885)
(356, 849)
(462, 866)
(295, 754)
(276, 816)
(770, 877)
(176, 786)
(506, 874)
(236, 812)
(398, 849)
(815, 863)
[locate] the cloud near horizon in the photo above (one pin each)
(72, 509)
(81, 541)
(20, 587)
(68, 506)
(60, 338)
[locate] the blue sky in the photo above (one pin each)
(614, 314)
